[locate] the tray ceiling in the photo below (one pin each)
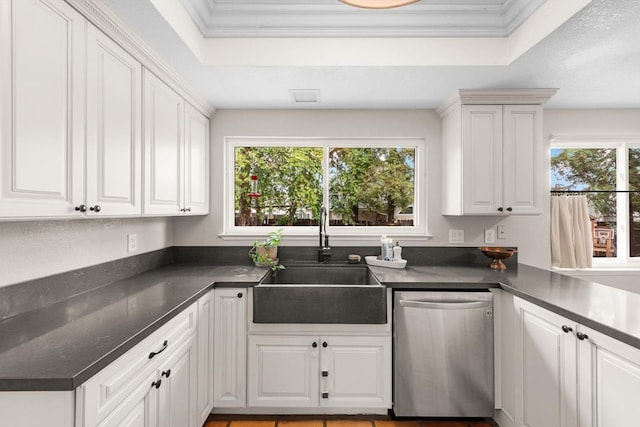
(331, 18)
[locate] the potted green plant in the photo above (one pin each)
(265, 253)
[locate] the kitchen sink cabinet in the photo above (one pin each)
(176, 147)
(492, 153)
(229, 354)
(283, 371)
(307, 371)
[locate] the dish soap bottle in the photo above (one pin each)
(397, 252)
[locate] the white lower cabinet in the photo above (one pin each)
(155, 384)
(547, 363)
(206, 319)
(570, 375)
(229, 354)
(609, 379)
(328, 371)
(178, 390)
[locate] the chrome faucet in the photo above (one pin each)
(324, 250)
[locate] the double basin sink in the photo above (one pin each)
(320, 293)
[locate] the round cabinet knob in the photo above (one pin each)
(95, 208)
(582, 336)
(509, 209)
(239, 295)
(324, 344)
(314, 345)
(181, 209)
(81, 208)
(187, 210)
(500, 209)
(156, 384)
(166, 373)
(566, 329)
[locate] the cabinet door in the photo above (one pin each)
(205, 357)
(356, 372)
(283, 371)
(114, 163)
(41, 108)
(507, 377)
(609, 378)
(482, 159)
(196, 162)
(547, 361)
(178, 390)
(140, 409)
(522, 159)
(229, 353)
(163, 139)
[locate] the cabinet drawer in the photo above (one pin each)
(107, 389)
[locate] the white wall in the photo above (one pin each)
(528, 233)
(34, 249)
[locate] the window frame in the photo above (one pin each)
(622, 146)
(350, 233)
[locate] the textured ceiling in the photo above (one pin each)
(593, 58)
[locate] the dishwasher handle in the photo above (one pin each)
(444, 305)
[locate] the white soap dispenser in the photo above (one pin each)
(397, 252)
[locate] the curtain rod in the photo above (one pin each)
(594, 191)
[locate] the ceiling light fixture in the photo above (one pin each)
(378, 4)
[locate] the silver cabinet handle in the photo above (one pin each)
(446, 305)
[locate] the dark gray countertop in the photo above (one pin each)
(60, 346)
(612, 311)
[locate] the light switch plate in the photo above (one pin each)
(456, 236)
(489, 236)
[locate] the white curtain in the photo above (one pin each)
(571, 239)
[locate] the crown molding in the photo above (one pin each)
(533, 96)
(330, 18)
(109, 23)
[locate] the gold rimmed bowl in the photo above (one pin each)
(497, 255)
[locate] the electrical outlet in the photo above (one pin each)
(502, 232)
(456, 236)
(489, 235)
(132, 242)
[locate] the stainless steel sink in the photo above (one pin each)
(320, 293)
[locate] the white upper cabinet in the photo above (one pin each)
(163, 146)
(114, 128)
(41, 108)
(71, 123)
(492, 152)
(195, 199)
(176, 152)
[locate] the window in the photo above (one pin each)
(370, 186)
(608, 173)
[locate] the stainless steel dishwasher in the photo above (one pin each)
(443, 354)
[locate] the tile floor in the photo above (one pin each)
(291, 421)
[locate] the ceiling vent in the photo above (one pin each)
(305, 96)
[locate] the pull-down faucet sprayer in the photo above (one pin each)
(324, 250)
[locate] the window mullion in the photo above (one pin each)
(622, 202)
